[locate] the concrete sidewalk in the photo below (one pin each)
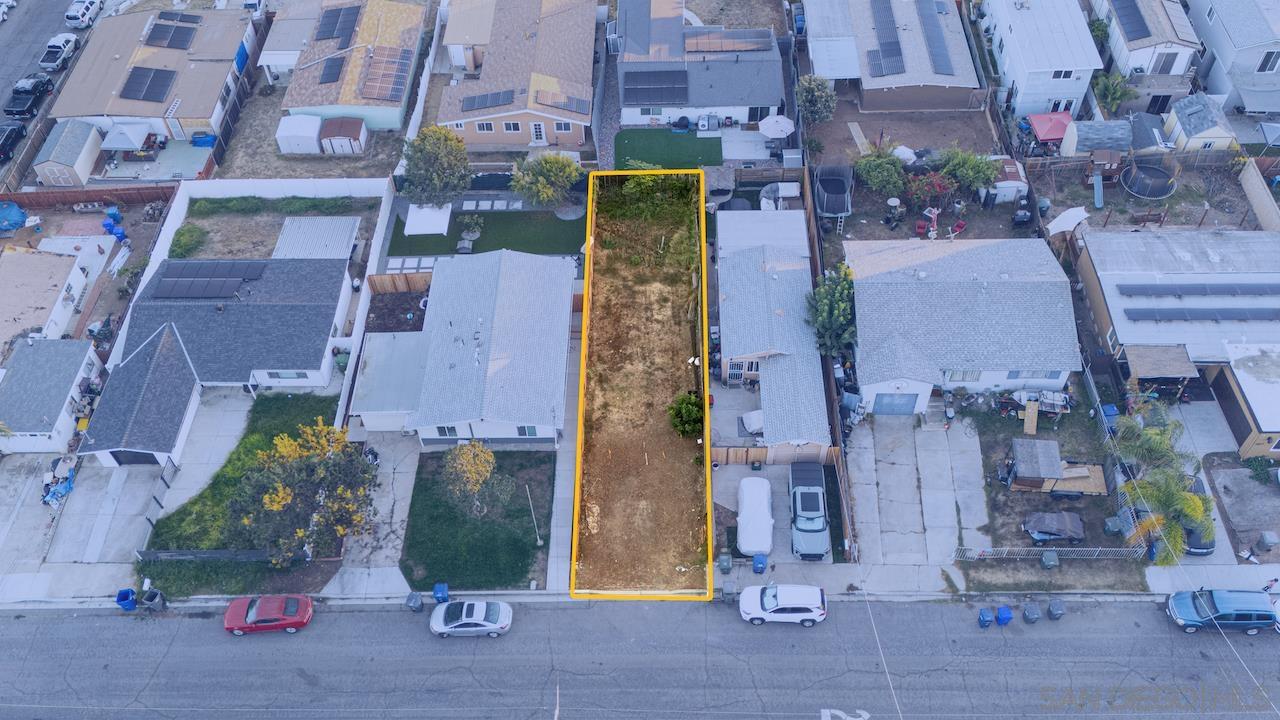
(560, 534)
(1164, 580)
(218, 426)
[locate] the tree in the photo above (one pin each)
(882, 172)
(1112, 91)
(815, 99)
(930, 189)
(436, 167)
(1166, 507)
(971, 171)
(831, 311)
(1101, 34)
(685, 413)
(546, 179)
(470, 478)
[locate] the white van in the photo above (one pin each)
(755, 516)
(82, 13)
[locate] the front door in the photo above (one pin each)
(539, 133)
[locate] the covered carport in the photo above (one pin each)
(1164, 369)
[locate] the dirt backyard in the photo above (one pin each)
(740, 13)
(247, 236)
(642, 519)
(966, 129)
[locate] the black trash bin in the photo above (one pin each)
(414, 602)
(154, 600)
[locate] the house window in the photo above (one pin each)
(1275, 445)
(1062, 105)
(1035, 374)
(287, 375)
(735, 371)
(563, 127)
(511, 127)
(1270, 62)
(484, 127)
(753, 366)
(526, 431)
(1000, 47)
(756, 114)
(459, 126)
(957, 376)
(1113, 343)
(447, 430)
(226, 93)
(650, 111)
(1207, 145)
(1061, 74)
(1210, 14)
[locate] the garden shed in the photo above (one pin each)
(299, 135)
(68, 155)
(343, 136)
(1011, 182)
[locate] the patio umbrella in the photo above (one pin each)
(777, 127)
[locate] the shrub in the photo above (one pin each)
(1260, 468)
(436, 167)
(313, 206)
(243, 205)
(929, 189)
(187, 241)
(882, 172)
(685, 413)
(470, 223)
(971, 171)
(546, 179)
(830, 311)
(815, 100)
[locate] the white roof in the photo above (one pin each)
(427, 220)
(125, 136)
(304, 126)
(1046, 34)
(317, 238)
(915, 44)
(746, 229)
(392, 368)
(1257, 369)
(833, 50)
(755, 516)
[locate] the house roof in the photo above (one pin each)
(1146, 130)
(1257, 370)
(317, 238)
(1158, 22)
(654, 39)
(539, 50)
(746, 229)
(37, 380)
(1159, 361)
(1198, 113)
(94, 86)
(833, 48)
(293, 26)
(146, 397)
(393, 368)
(65, 142)
(1045, 35)
(1037, 458)
(1151, 279)
(916, 40)
(32, 283)
(1103, 135)
(376, 69)
(762, 299)
(470, 22)
(280, 321)
(925, 306)
(1249, 22)
(498, 335)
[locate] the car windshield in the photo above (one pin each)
(251, 612)
(811, 524)
(290, 607)
(453, 613)
(1203, 603)
(768, 597)
(491, 611)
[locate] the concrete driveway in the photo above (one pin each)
(724, 491)
(1206, 431)
(218, 425)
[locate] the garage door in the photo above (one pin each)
(895, 404)
(132, 457)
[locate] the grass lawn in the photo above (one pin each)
(665, 149)
(184, 578)
(539, 232)
(497, 551)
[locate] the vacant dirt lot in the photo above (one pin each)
(642, 520)
(1248, 507)
(969, 130)
(740, 13)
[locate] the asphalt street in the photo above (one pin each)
(602, 661)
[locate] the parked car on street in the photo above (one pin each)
(11, 133)
(1047, 527)
(81, 14)
(268, 613)
(58, 52)
(804, 604)
(810, 534)
(28, 95)
(471, 618)
(1249, 611)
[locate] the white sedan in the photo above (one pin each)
(471, 618)
(804, 604)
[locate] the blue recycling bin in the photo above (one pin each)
(440, 592)
(113, 212)
(1004, 615)
(127, 599)
(108, 225)
(119, 234)
(759, 563)
(985, 618)
(1110, 413)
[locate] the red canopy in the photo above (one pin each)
(1050, 127)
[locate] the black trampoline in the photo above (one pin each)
(1154, 179)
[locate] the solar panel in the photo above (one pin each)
(1132, 24)
(196, 288)
(488, 100)
(934, 39)
(182, 37)
(887, 58)
(338, 23)
(562, 101)
(722, 40)
(147, 84)
(331, 72)
(191, 19)
(1193, 289)
(238, 269)
(1202, 314)
(655, 87)
(173, 16)
(386, 73)
(171, 36)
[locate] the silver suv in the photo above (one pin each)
(810, 534)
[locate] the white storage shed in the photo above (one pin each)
(68, 155)
(299, 135)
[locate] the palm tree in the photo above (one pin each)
(1112, 91)
(1166, 507)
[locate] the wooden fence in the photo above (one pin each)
(399, 283)
(1064, 553)
(1186, 158)
(767, 175)
(124, 195)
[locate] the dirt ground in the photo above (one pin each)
(245, 237)
(254, 154)
(1248, 507)
(1008, 508)
(987, 576)
(740, 13)
(642, 522)
(970, 130)
(390, 312)
(1206, 197)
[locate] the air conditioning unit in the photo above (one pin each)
(1139, 71)
(612, 42)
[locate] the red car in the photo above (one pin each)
(267, 613)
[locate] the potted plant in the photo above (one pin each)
(471, 226)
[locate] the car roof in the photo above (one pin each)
(798, 594)
(1242, 600)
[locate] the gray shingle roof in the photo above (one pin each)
(1147, 130)
(498, 328)
(1103, 135)
(145, 399)
(762, 314)
(65, 142)
(1198, 113)
(927, 306)
(317, 238)
(1249, 22)
(37, 380)
(281, 321)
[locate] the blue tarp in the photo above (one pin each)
(12, 217)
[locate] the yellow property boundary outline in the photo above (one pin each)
(582, 393)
